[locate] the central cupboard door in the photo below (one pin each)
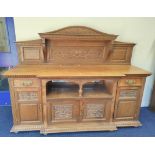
(63, 111)
(96, 110)
(60, 111)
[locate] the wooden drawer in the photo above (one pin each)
(29, 82)
(130, 82)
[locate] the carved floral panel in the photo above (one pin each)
(77, 54)
(128, 93)
(27, 96)
(62, 112)
(94, 110)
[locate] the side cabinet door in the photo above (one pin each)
(28, 105)
(127, 103)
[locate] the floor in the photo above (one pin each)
(147, 118)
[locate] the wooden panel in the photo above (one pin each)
(126, 109)
(94, 110)
(31, 54)
(28, 105)
(76, 52)
(28, 112)
(127, 103)
(128, 93)
(26, 82)
(121, 54)
(63, 111)
(130, 82)
(27, 94)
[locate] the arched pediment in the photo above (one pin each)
(79, 32)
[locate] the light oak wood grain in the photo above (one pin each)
(75, 79)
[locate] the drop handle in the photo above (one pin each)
(27, 83)
(130, 82)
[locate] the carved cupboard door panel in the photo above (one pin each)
(94, 110)
(28, 105)
(127, 103)
(63, 111)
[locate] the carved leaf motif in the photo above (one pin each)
(94, 111)
(128, 93)
(77, 53)
(63, 111)
(27, 96)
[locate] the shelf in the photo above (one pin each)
(62, 90)
(95, 90)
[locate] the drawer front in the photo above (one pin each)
(130, 82)
(95, 110)
(63, 111)
(29, 82)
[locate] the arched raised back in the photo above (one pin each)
(75, 45)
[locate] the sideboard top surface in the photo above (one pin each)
(61, 71)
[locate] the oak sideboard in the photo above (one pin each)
(75, 79)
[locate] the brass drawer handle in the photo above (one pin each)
(130, 82)
(27, 83)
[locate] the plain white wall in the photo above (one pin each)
(137, 30)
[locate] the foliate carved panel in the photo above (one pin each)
(94, 110)
(63, 112)
(27, 96)
(77, 54)
(128, 94)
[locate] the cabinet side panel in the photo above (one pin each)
(13, 103)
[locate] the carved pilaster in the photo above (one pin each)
(44, 103)
(44, 49)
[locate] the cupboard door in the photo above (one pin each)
(94, 110)
(29, 112)
(28, 105)
(63, 111)
(127, 103)
(126, 109)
